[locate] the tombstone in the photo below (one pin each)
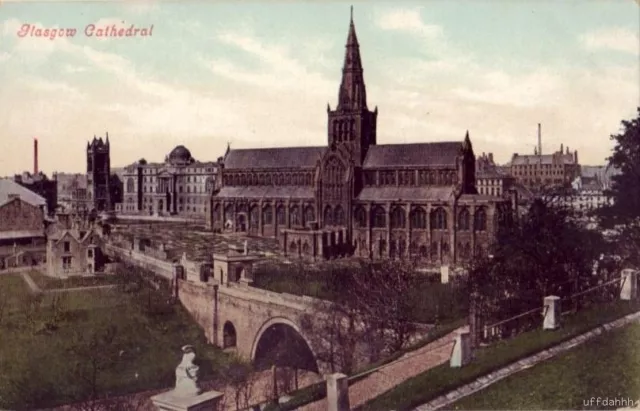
(187, 395)
(629, 290)
(337, 392)
(461, 354)
(551, 313)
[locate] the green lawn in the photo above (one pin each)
(607, 366)
(50, 348)
(49, 283)
(442, 379)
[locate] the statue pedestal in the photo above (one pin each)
(172, 401)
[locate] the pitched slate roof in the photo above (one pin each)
(266, 192)
(416, 154)
(405, 193)
(557, 158)
(285, 157)
(9, 187)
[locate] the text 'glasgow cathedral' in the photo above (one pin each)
(356, 197)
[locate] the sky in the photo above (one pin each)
(261, 73)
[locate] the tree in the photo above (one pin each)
(624, 213)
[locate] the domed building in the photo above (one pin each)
(179, 186)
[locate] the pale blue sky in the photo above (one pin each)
(260, 74)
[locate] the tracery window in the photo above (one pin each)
(294, 216)
(464, 219)
(388, 178)
(439, 219)
(267, 215)
(360, 217)
(370, 178)
(379, 217)
(397, 218)
(281, 216)
(338, 218)
(480, 219)
(228, 211)
(333, 181)
(309, 214)
(254, 216)
(328, 216)
(418, 218)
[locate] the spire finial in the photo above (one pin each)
(351, 14)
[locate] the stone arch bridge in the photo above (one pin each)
(254, 323)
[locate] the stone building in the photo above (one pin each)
(40, 184)
(179, 186)
(73, 248)
(99, 174)
(22, 225)
(538, 170)
(491, 179)
(355, 196)
(73, 192)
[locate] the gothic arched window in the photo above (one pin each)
(254, 216)
(267, 214)
(333, 180)
(418, 218)
(294, 216)
(439, 219)
(480, 220)
(379, 217)
(360, 217)
(397, 218)
(338, 214)
(281, 216)
(464, 219)
(328, 216)
(309, 214)
(228, 211)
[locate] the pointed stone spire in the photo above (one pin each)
(466, 145)
(228, 148)
(107, 134)
(352, 95)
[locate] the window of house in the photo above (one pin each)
(90, 253)
(67, 246)
(66, 263)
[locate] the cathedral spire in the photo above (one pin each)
(352, 95)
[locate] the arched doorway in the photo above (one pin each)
(229, 336)
(280, 343)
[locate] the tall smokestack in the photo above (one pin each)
(539, 139)
(35, 155)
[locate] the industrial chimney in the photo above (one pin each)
(35, 156)
(539, 139)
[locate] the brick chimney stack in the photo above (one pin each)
(35, 156)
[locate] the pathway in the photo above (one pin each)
(528, 362)
(394, 373)
(37, 290)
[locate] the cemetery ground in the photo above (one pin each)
(444, 379)
(608, 367)
(67, 347)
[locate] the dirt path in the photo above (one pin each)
(392, 374)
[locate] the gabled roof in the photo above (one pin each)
(285, 157)
(9, 187)
(415, 154)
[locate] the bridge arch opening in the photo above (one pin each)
(229, 336)
(279, 342)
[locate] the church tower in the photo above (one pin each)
(99, 174)
(351, 124)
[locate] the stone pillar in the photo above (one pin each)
(337, 392)
(444, 274)
(461, 354)
(551, 313)
(629, 290)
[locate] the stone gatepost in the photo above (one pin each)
(444, 274)
(551, 313)
(337, 392)
(187, 394)
(629, 286)
(461, 354)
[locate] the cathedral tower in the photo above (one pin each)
(99, 174)
(351, 124)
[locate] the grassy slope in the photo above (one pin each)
(607, 366)
(40, 369)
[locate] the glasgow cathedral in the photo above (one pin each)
(355, 196)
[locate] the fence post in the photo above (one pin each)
(461, 354)
(337, 392)
(551, 313)
(629, 286)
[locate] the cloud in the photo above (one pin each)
(616, 39)
(409, 20)
(61, 90)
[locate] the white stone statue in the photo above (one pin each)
(187, 374)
